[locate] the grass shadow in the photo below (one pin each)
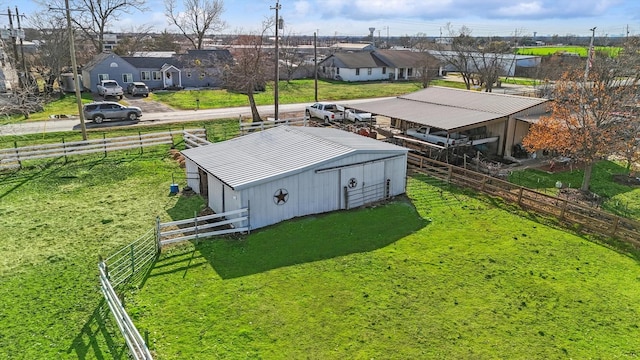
(186, 206)
(313, 238)
(97, 330)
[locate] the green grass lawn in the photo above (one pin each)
(446, 275)
(580, 50)
(440, 274)
(296, 91)
(616, 198)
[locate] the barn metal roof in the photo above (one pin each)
(448, 108)
(279, 152)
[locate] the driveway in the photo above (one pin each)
(146, 104)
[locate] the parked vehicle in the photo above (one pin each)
(326, 111)
(138, 88)
(441, 138)
(110, 88)
(99, 111)
(356, 115)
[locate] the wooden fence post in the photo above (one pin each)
(64, 150)
(616, 220)
(249, 216)
(563, 209)
(15, 146)
(140, 140)
(449, 173)
(195, 218)
(104, 143)
(520, 196)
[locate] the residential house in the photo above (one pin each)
(375, 65)
(196, 68)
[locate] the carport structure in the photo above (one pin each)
(480, 115)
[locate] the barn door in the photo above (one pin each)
(204, 184)
(362, 184)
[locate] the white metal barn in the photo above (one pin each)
(285, 172)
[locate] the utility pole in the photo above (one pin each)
(21, 36)
(74, 65)
(589, 55)
(277, 79)
(15, 46)
(315, 65)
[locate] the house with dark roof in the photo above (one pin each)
(196, 68)
(376, 65)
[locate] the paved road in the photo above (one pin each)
(56, 125)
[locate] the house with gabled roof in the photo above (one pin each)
(375, 65)
(196, 68)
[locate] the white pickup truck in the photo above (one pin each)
(326, 111)
(438, 137)
(110, 88)
(356, 115)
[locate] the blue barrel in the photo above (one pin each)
(174, 188)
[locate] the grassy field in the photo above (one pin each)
(616, 198)
(297, 91)
(442, 274)
(580, 50)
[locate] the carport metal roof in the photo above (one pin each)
(449, 109)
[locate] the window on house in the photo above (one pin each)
(156, 75)
(127, 78)
(384, 70)
(145, 75)
(338, 71)
(409, 72)
(368, 71)
(103, 77)
(357, 71)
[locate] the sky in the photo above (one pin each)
(402, 17)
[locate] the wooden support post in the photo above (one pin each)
(104, 143)
(616, 220)
(195, 218)
(15, 146)
(563, 209)
(520, 196)
(64, 150)
(140, 139)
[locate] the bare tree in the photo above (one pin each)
(427, 65)
(134, 40)
(489, 61)
(25, 100)
(165, 41)
(290, 56)
(199, 18)
(460, 56)
(53, 55)
(95, 16)
(251, 68)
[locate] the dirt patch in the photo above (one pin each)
(553, 167)
(625, 179)
(578, 196)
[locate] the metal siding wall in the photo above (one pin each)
(396, 171)
(314, 193)
(215, 194)
(191, 170)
